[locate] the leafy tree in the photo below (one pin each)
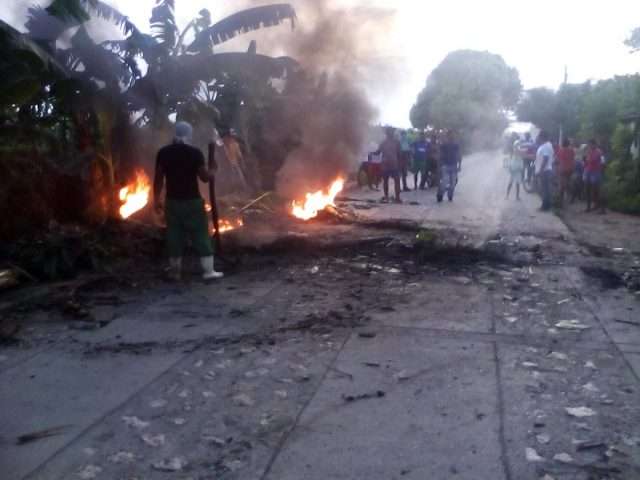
(634, 40)
(469, 91)
(539, 106)
(551, 110)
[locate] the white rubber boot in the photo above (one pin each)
(209, 272)
(175, 269)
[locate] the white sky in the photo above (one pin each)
(538, 38)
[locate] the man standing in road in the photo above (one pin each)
(391, 152)
(566, 168)
(450, 166)
(594, 169)
(544, 169)
(420, 166)
(181, 165)
(405, 159)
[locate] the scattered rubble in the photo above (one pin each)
(135, 422)
(533, 456)
(154, 441)
(364, 396)
(175, 464)
(580, 412)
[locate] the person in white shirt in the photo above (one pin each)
(544, 168)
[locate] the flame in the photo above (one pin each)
(316, 202)
(135, 196)
(228, 225)
(224, 224)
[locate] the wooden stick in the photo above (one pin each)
(213, 199)
(252, 203)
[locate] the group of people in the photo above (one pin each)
(578, 169)
(427, 159)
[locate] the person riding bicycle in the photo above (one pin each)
(450, 166)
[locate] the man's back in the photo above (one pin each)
(390, 150)
(181, 163)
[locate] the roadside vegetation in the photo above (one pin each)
(78, 116)
(607, 111)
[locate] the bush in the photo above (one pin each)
(621, 187)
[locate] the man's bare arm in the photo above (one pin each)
(204, 174)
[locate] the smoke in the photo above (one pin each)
(325, 107)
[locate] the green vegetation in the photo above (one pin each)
(81, 114)
(469, 92)
(608, 111)
(605, 111)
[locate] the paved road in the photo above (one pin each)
(353, 363)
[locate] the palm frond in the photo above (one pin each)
(21, 46)
(49, 23)
(163, 23)
(243, 22)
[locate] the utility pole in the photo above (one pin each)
(566, 81)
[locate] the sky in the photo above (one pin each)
(538, 38)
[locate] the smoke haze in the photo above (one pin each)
(327, 104)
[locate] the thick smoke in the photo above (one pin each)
(325, 105)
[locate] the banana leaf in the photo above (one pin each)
(243, 22)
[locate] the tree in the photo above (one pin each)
(551, 110)
(470, 91)
(634, 40)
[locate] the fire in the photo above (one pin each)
(229, 225)
(316, 202)
(135, 196)
(224, 224)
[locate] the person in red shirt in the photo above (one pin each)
(566, 166)
(593, 171)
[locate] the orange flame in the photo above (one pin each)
(228, 225)
(316, 202)
(224, 224)
(135, 196)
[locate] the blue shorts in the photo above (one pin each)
(390, 172)
(593, 178)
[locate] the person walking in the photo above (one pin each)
(180, 165)
(566, 168)
(516, 167)
(405, 159)
(544, 169)
(419, 165)
(577, 187)
(594, 169)
(450, 166)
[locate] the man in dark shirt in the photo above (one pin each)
(180, 165)
(450, 166)
(421, 161)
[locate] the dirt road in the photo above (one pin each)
(494, 342)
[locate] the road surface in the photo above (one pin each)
(509, 351)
